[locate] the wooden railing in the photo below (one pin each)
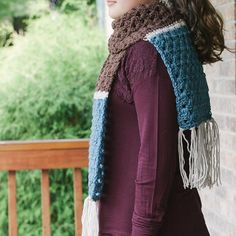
(44, 155)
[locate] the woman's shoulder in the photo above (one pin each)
(138, 58)
(141, 58)
(142, 63)
(141, 50)
(142, 46)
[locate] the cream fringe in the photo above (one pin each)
(89, 219)
(204, 158)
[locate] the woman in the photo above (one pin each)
(138, 182)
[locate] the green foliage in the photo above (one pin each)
(9, 8)
(29, 203)
(3, 204)
(14, 14)
(47, 79)
(16, 8)
(6, 32)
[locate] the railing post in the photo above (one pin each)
(12, 216)
(44, 155)
(45, 195)
(78, 200)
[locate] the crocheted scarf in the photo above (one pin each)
(160, 24)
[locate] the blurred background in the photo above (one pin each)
(51, 53)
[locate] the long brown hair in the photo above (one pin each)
(206, 25)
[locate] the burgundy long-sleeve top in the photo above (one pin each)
(143, 189)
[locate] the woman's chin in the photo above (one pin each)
(112, 14)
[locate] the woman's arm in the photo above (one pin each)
(157, 119)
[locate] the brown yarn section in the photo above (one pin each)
(128, 29)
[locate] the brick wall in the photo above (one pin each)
(219, 205)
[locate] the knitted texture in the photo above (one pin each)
(161, 25)
(186, 73)
(128, 29)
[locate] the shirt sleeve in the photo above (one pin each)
(154, 102)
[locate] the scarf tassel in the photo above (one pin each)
(89, 219)
(204, 159)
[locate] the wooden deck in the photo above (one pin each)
(44, 155)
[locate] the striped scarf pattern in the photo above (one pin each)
(159, 24)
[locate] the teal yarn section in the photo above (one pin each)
(96, 148)
(186, 73)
